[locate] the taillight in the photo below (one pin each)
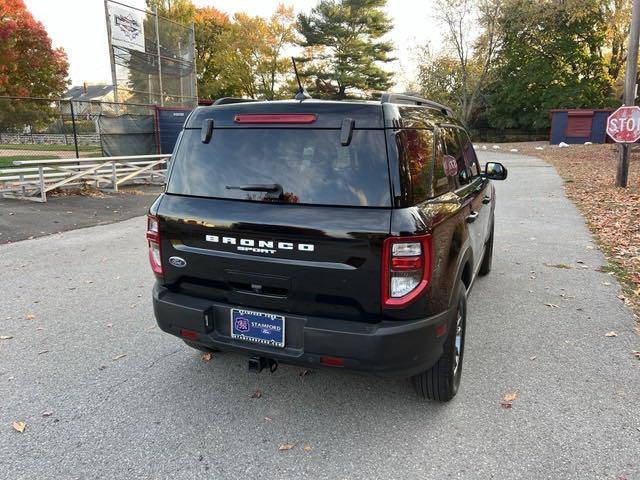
(406, 269)
(153, 239)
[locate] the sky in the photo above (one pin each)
(79, 27)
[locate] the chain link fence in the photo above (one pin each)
(39, 129)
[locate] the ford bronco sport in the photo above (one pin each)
(319, 233)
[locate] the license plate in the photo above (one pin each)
(257, 327)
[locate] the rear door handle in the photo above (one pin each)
(486, 199)
(472, 217)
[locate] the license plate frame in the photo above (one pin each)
(258, 327)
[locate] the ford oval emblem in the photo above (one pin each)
(177, 262)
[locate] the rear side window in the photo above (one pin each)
(442, 181)
(454, 149)
(295, 165)
(416, 146)
(470, 157)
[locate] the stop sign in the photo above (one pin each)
(623, 125)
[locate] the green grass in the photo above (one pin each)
(49, 148)
(8, 161)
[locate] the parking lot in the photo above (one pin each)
(105, 394)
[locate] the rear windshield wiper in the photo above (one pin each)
(259, 187)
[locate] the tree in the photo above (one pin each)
(439, 79)
(255, 61)
(344, 47)
(180, 11)
(617, 18)
(213, 41)
(458, 75)
(29, 67)
(274, 69)
(550, 58)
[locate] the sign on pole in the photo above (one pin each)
(127, 28)
(623, 125)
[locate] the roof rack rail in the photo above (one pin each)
(413, 100)
(226, 100)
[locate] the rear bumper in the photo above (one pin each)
(395, 348)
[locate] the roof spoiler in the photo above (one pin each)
(413, 100)
(227, 100)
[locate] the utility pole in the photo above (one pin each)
(631, 77)
(155, 15)
(114, 79)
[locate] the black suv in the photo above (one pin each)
(320, 233)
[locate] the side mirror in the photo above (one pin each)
(495, 171)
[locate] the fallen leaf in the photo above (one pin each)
(205, 357)
(307, 448)
(558, 265)
(19, 426)
(119, 356)
(47, 413)
(6, 337)
(505, 404)
(552, 305)
(286, 446)
(510, 397)
(257, 393)
(30, 316)
(611, 334)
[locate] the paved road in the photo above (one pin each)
(21, 219)
(161, 412)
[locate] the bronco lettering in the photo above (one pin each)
(259, 246)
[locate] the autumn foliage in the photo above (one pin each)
(29, 66)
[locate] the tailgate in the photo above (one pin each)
(301, 259)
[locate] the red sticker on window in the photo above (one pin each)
(450, 166)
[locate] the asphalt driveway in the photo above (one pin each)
(124, 400)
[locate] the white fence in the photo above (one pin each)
(33, 179)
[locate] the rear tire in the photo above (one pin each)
(202, 348)
(487, 259)
(441, 381)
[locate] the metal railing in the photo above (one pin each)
(33, 179)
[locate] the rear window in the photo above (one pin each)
(295, 165)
